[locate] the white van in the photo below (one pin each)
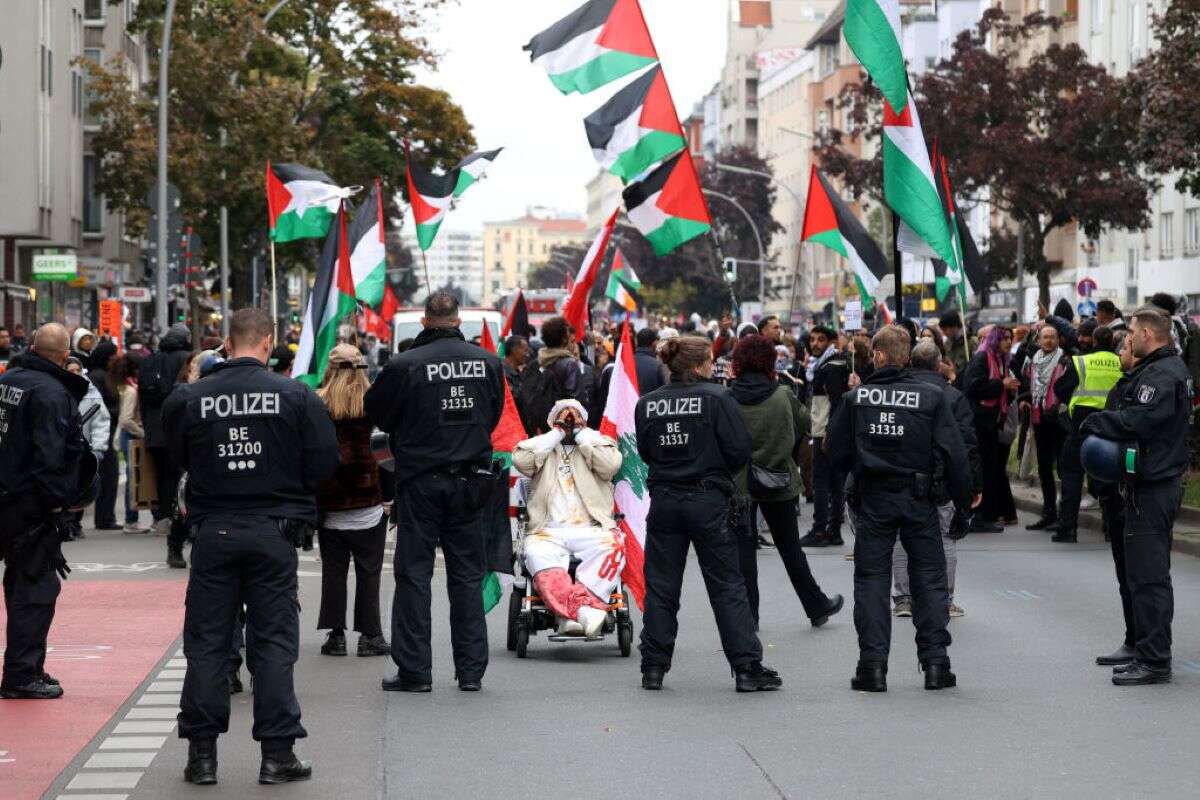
(407, 324)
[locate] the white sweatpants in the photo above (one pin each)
(600, 557)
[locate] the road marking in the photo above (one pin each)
(141, 566)
(151, 712)
(165, 686)
(159, 700)
(173, 674)
(1190, 666)
(119, 760)
(5, 760)
(177, 663)
(148, 726)
(93, 797)
(1017, 594)
(105, 780)
(133, 743)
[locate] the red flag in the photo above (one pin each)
(390, 305)
(509, 432)
(575, 310)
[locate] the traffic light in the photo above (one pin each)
(730, 269)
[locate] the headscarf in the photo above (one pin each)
(997, 363)
(561, 405)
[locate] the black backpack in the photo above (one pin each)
(541, 388)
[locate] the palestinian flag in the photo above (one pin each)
(637, 128)
(631, 495)
(829, 221)
(368, 257)
(668, 206)
(623, 284)
(301, 202)
(597, 43)
(502, 522)
(872, 29)
(330, 301)
(430, 195)
(575, 309)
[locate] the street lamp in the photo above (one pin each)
(160, 278)
(762, 254)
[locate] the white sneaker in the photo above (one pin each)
(569, 627)
(592, 620)
(162, 527)
(1088, 502)
(133, 527)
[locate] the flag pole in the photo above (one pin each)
(897, 265)
(274, 294)
(425, 264)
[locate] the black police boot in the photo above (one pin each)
(1065, 536)
(1123, 655)
(373, 646)
(50, 679)
(871, 676)
(1044, 523)
(37, 689)
(335, 644)
(175, 558)
(981, 525)
(282, 766)
(469, 684)
(754, 677)
(202, 762)
(813, 538)
(1139, 673)
(399, 684)
(938, 675)
(835, 605)
(833, 538)
(652, 677)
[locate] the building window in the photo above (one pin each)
(1166, 234)
(1131, 266)
(1191, 231)
(93, 203)
(89, 117)
(93, 10)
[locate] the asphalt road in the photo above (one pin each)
(1031, 717)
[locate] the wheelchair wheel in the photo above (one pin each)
(515, 600)
(522, 645)
(625, 637)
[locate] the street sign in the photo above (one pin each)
(854, 316)
(1086, 308)
(55, 267)
(134, 294)
(1086, 287)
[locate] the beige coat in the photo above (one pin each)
(595, 460)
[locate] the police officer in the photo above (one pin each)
(1086, 381)
(41, 451)
(439, 401)
(255, 446)
(691, 435)
(893, 432)
(1154, 411)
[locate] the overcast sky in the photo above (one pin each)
(512, 104)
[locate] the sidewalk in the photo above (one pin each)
(1028, 496)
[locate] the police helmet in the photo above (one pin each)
(1108, 461)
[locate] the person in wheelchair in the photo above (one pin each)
(570, 511)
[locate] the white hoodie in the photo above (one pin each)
(96, 430)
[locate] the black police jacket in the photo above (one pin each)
(692, 432)
(439, 402)
(1154, 407)
(40, 439)
(965, 418)
(896, 425)
(251, 441)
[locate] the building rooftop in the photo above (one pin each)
(831, 29)
(546, 225)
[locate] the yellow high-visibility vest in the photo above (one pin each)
(1098, 374)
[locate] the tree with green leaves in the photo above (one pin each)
(1045, 138)
(327, 83)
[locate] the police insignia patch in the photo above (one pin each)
(1146, 394)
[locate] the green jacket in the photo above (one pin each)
(777, 422)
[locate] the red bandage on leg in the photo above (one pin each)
(564, 597)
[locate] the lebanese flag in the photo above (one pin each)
(505, 437)
(637, 128)
(668, 206)
(330, 301)
(368, 256)
(301, 202)
(430, 195)
(829, 221)
(597, 43)
(575, 310)
(631, 495)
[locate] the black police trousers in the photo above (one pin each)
(438, 508)
(29, 604)
(882, 514)
(1149, 517)
(1112, 509)
(236, 560)
(1070, 471)
(829, 490)
(678, 518)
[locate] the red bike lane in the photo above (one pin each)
(106, 637)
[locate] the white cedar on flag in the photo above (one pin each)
(631, 494)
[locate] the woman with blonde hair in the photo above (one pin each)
(352, 519)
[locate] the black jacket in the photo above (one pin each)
(1154, 409)
(895, 425)
(251, 441)
(979, 387)
(157, 376)
(691, 432)
(965, 419)
(651, 372)
(439, 401)
(40, 438)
